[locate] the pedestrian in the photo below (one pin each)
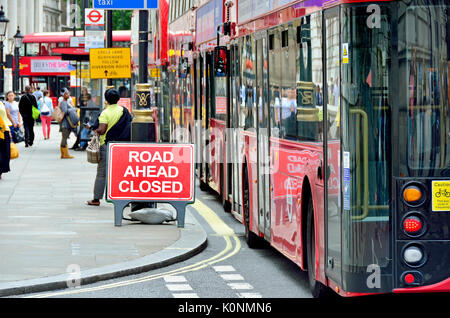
(38, 94)
(27, 101)
(5, 141)
(114, 124)
(65, 127)
(46, 108)
(12, 111)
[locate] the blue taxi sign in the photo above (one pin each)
(125, 4)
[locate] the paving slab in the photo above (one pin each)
(46, 228)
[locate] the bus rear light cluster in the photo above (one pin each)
(412, 194)
(412, 225)
(414, 255)
(412, 278)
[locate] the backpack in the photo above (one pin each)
(45, 110)
(121, 131)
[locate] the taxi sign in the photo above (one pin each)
(441, 196)
(110, 63)
(150, 172)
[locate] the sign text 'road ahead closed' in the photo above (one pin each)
(110, 63)
(150, 172)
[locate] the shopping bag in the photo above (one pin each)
(36, 113)
(93, 150)
(14, 151)
(58, 115)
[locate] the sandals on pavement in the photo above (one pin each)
(93, 203)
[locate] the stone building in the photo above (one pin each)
(33, 16)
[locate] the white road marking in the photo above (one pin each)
(232, 277)
(249, 295)
(178, 287)
(193, 295)
(175, 279)
(224, 268)
(240, 286)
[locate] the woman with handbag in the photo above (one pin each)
(5, 141)
(12, 111)
(66, 126)
(45, 105)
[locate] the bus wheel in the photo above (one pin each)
(318, 290)
(225, 203)
(203, 186)
(253, 241)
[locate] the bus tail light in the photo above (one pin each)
(412, 224)
(412, 194)
(413, 255)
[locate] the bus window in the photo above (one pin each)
(275, 81)
(309, 93)
(426, 89)
(288, 91)
(248, 82)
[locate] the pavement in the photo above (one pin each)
(49, 236)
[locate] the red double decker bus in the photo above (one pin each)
(334, 140)
(48, 60)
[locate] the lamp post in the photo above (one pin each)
(18, 38)
(3, 24)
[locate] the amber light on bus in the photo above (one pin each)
(412, 194)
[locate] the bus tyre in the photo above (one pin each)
(203, 186)
(318, 290)
(225, 203)
(253, 241)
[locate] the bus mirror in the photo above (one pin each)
(220, 61)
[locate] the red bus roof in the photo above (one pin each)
(64, 37)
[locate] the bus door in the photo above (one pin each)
(198, 111)
(262, 85)
(332, 153)
(235, 154)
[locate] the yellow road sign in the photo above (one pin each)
(155, 72)
(441, 196)
(110, 63)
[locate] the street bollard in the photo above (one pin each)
(143, 128)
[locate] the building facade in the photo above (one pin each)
(33, 16)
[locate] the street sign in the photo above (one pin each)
(150, 172)
(110, 63)
(77, 41)
(94, 17)
(94, 28)
(155, 73)
(125, 4)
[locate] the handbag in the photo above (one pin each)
(14, 151)
(58, 115)
(19, 134)
(45, 110)
(93, 149)
(35, 113)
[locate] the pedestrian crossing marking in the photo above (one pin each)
(232, 277)
(240, 286)
(224, 268)
(178, 287)
(174, 279)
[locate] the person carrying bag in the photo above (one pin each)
(68, 124)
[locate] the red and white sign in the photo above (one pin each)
(94, 17)
(150, 172)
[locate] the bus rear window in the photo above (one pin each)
(426, 44)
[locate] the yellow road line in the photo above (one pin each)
(216, 224)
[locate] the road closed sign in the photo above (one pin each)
(110, 63)
(150, 172)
